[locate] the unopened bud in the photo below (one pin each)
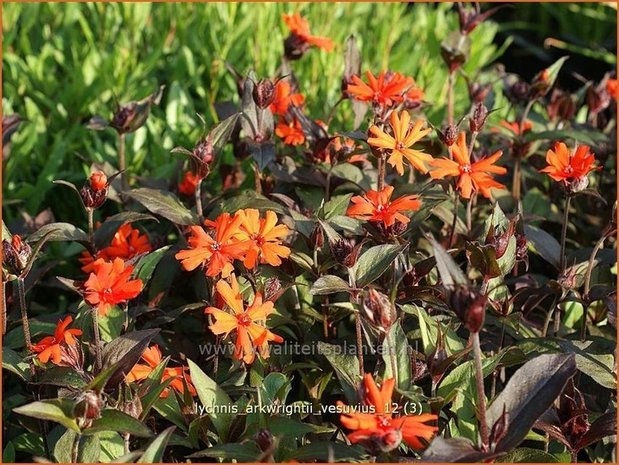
(479, 92)
(203, 155)
(345, 251)
(264, 93)
(435, 360)
(97, 181)
(16, 254)
(272, 288)
(470, 306)
(518, 92)
(88, 407)
(477, 122)
(264, 439)
(95, 190)
(379, 310)
(449, 135)
(317, 237)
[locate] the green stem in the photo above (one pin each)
(516, 179)
(566, 215)
(394, 365)
(97, 336)
(469, 216)
(481, 396)
(76, 447)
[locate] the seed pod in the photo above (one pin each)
(264, 93)
(449, 135)
(16, 254)
(379, 310)
(470, 306)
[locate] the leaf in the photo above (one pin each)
(263, 153)
(57, 410)
(145, 266)
(605, 425)
(329, 284)
(527, 455)
(452, 450)
(88, 449)
(245, 452)
(396, 343)
(164, 204)
(323, 451)
(221, 133)
(528, 394)
(336, 206)
(15, 363)
(119, 357)
(154, 452)
(544, 244)
(346, 368)
(105, 232)
(211, 395)
(63, 377)
(115, 420)
(374, 262)
(448, 269)
(112, 446)
(59, 232)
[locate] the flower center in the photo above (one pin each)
(243, 319)
(257, 238)
(568, 169)
(384, 422)
(107, 291)
(399, 145)
(215, 246)
(465, 168)
(381, 208)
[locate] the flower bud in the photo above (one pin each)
(272, 288)
(449, 135)
(72, 357)
(16, 254)
(317, 237)
(88, 407)
(479, 92)
(522, 249)
(562, 106)
(379, 310)
(541, 84)
(435, 360)
(133, 115)
(264, 93)
(94, 193)
(264, 439)
(597, 99)
(470, 306)
(477, 122)
(203, 154)
(132, 407)
(518, 92)
(345, 251)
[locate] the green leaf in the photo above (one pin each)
(112, 446)
(245, 452)
(62, 377)
(327, 451)
(544, 244)
(146, 265)
(115, 420)
(154, 452)
(58, 232)
(164, 204)
(329, 284)
(396, 343)
(448, 269)
(57, 410)
(527, 455)
(346, 368)
(336, 206)
(374, 262)
(15, 363)
(212, 396)
(221, 133)
(530, 391)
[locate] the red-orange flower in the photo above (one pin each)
(565, 165)
(471, 176)
(291, 132)
(377, 207)
(300, 27)
(265, 237)
(50, 347)
(611, 87)
(109, 284)
(189, 183)
(152, 358)
(284, 98)
(126, 244)
(399, 144)
(98, 180)
(385, 90)
(517, 128)
(216, 253)
(374, 422)
(247, 323)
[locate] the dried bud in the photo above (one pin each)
(16, 254)
(562, 106)
(264, 439)
(272, 288)
(522, 249)
(317, 237)
(132, 407)
(295, 47)
(133, 115)
(477, 122)
(390, 440)
(345, 251)
(518, 92)
(569, 278)
(379, 310)
(203, 155)
(597, 98)
(577, 184)
(449, 135)
(72, 356)
(470, 306)
(396, 229)
(94, 193)
(499, 429)
(264, 93)
(88, 407)
(436, 359)
(455, 50)
(479, 92)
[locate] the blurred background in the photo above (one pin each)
(63, 63)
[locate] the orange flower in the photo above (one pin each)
(126, 243)
(284, 98)
(291, 132)
(375, 424)
(216, 253)
(471, 176)
(389, 88)
(152, 358)
(376, 206)
(264, 236)
(300, 27)
(98, 180)
(516, 128)
(404, 137)
(611, 87)
(50, 346)
(109, 284)
(189, 183)
(247, 323)
(564, 165)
